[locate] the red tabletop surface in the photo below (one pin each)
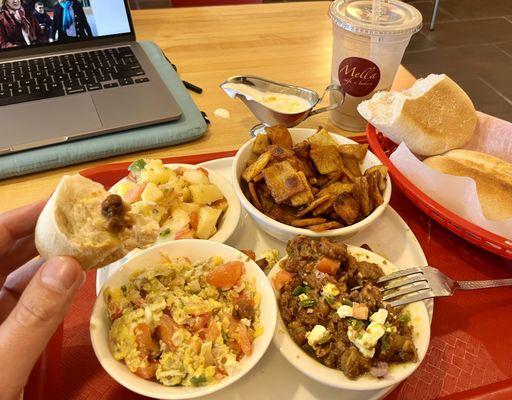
(469, 353)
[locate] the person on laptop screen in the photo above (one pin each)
(18, 26)
(70, 22)
(45, 22)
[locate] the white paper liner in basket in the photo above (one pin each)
(458, 194)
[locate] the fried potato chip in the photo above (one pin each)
(256, 167)
(325, 207)
(304, 197)
(283, 181)
(313, 205)
(299, 223)
(352, 165)
(327, 159)
(335, 188)
(301, 149)
(280, 153)
(362, 194)
(346, 207)
(260, 144)
(347, 173)
(322, 138)
(383, 173)
(258, 177)
(279, 135)
(358, 151)
(373, 182)
(325, 226)
(254, 196)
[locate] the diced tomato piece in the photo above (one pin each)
(166, 329)
(131, 177)
(148, 372)
(244, 339)
(225, 276)
(145, 343)
(282, 278)
(328, 265)
(194, 219)
(198, 322)
(249, 253)
(212, 332)
(185, 234)
(134, 194)
(204, 171)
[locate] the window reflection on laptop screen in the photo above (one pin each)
(38, 22)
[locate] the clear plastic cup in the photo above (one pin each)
(367, 50)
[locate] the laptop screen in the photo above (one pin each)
(38, 22)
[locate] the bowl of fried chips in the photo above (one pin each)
(306, 182)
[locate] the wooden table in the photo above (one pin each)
(286, 42)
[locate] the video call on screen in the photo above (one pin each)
(32, 22)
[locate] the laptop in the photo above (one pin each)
(72, 69)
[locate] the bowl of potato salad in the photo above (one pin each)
(188, 202)
(183, 319)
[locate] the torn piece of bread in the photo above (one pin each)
(493, 178)
(84, 221)
(433, 116)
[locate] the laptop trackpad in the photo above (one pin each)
(51, 118)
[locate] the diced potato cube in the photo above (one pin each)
(207, 222)
(322, 138)
(190, 207)
(195, 177)
(178, 221)
(187, 196)
(221, 204)
(152, 193)
(153, 211)
(205, 194)
(124, 187)
(155, 173)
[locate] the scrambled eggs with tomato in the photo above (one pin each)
(184, 323)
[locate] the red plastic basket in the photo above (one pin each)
(383, 147)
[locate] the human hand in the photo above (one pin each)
(34, 297)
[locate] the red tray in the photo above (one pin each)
(383, 147)
(469, 353)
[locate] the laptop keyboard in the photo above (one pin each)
(43, 78)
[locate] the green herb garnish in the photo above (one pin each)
(307, 303)
(405, 318)
(137, 165)
(384, 343)
(346, 302)
(165, 232)
(329, 299)
(225, 336)
(198, 380)
(357, 324)
(300, 290)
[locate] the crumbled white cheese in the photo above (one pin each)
(345, 311)
(245, 322)
(365, 341)
(330, 290)
(318, 335)
(353, 336)
(380, 316)
(303, 296)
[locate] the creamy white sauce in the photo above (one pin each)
(280, 102)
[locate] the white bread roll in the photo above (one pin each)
(493, 179)
(72, 224)
(433, 116)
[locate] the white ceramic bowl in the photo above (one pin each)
(336, 378)
(285, 232)
(228, 220)
(196, 250)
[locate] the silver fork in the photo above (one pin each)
(416, 284)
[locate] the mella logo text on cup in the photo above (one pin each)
(358, 76)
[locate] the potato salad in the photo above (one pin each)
(183, 201)
(184, 323)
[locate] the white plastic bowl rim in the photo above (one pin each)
(196, 250)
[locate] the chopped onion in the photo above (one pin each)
(380, 370)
